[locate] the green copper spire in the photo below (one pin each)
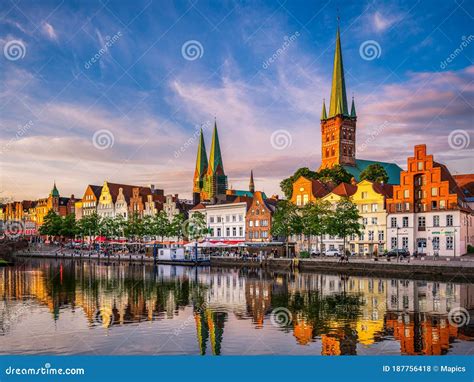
(338, 103)
(324, 116)
(54, 191)
(215, 157)
(353, 109)
(201, 159)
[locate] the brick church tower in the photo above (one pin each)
(338, 129)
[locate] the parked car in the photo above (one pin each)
(315, 254)
(398, 252)
(332, 253)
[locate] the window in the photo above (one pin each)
(264, 234)
(362, 236)
(434, 205)
(449, 243)
(250, 223)
(375, 207)
(364, 221)
(219, 219)
(374, 221)
(241, 218)
(381, 235)
(257, 223)
(227, 231)
(211, 219)
(364, 195)
(406, 194)
(405, 242)
(436, 243)
(434, 191)
(298, 200)
(436, 221)
(449, 220)
(365, 208)
(250, 235)
(394, 243)
(234, 218)
(420, 166)
(405, 222)
(393, 222)
(407, 206)
(234, 231)
(442, 204)
(227, 218)
(421, 221)
(255, 235)
(305, 199)
(371, 235)
(241, 231)
(218, 232)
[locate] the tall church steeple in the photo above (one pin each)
(215, 157)
(338, 129)
(338, 103)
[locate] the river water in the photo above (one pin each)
(90, 307)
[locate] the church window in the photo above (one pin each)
(333, 152)
(327, 152)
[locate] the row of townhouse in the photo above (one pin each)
(430, 211)
(239, 218)
(30, 213)
(114, 200)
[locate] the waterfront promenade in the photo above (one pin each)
(460, 269)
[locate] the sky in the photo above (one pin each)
(117, 90)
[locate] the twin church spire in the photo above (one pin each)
(210, 181)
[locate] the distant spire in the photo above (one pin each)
(54, 191)
(338, 103)
(353, 109)
(215, 157)
(324, 115)
(201, 163)
(251, 184)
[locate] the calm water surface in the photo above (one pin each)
(73, 307)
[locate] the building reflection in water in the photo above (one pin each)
(342, 313)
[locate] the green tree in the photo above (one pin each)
(68, 226)
(177, 226)
(196, 226)
(314, 219)
(89, 225)
(52, 223)
(375, 173)
(286, 221)
(161, 225)
(345, 220)
(134, 228)
(336, 174)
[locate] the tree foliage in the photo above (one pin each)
(375, 173)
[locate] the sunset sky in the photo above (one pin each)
(128, 114)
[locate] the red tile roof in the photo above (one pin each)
(466, 183)
(345, 189)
